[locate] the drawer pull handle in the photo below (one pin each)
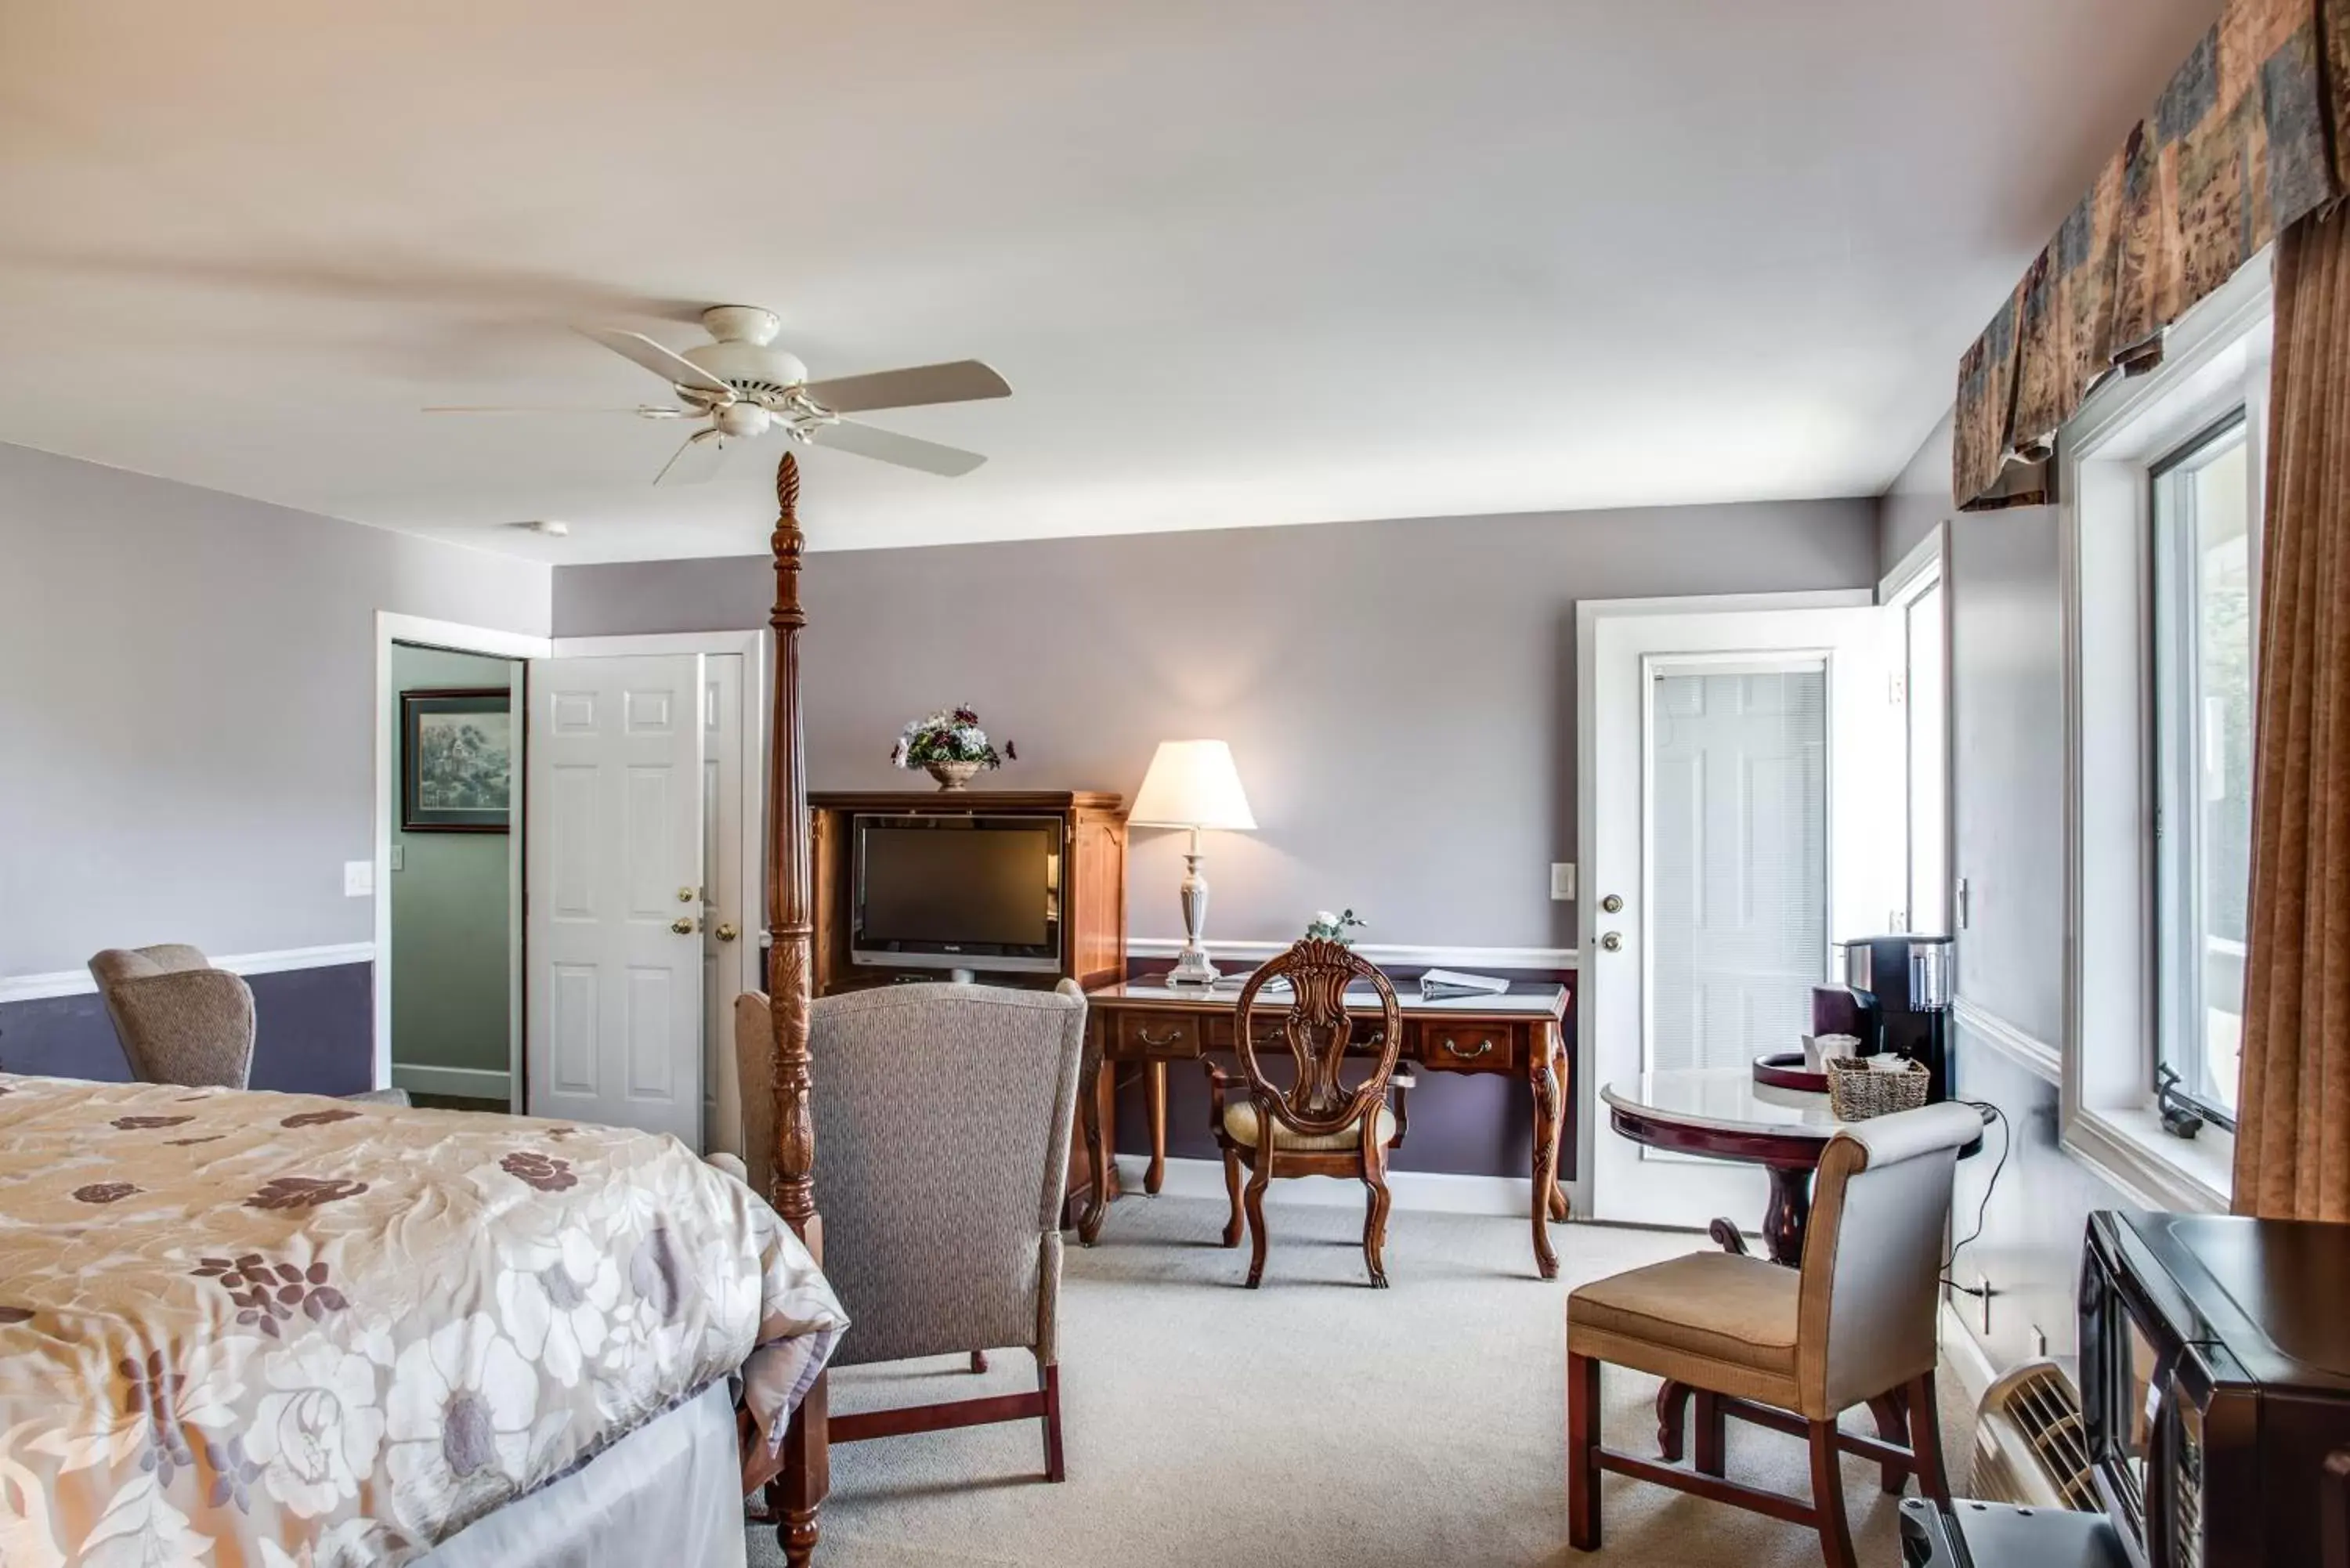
(1174, 1033)
(1453, 1049)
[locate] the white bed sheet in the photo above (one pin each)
(669, 1494)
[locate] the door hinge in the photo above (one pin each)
(1897, 689)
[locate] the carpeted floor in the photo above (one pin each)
(1312, 1421)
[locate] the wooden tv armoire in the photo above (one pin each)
(1093, 880)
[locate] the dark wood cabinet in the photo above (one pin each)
(1093, 904)
(1093, 880)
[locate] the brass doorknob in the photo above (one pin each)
(687, 895)
(682, 925)
(1611, 941)
(727, 933)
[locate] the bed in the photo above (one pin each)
(249, 1330)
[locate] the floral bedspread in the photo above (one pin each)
(258, 1330)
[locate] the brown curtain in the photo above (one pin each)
(2293, 1144)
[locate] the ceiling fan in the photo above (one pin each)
(741, 385)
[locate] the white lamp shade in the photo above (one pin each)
(1193, 784)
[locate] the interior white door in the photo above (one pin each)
(1746, 774)
(728, 932)
(613, 813)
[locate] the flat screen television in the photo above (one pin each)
(974, 892)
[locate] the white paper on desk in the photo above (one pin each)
(1441, 982)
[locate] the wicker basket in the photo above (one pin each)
(1857, 1091)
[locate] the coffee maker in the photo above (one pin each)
(1899, 990)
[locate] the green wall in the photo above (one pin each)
(451, 960)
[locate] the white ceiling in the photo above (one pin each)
(1242, 262)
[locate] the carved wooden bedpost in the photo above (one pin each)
(798, 1493)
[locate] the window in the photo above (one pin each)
(2158, 492)
(2203, 591)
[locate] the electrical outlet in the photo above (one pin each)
(1561, 881)
(358, 878)
(398, 857)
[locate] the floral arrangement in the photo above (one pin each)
(949, 735)
(1329, 928)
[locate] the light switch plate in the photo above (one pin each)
(399, 857)
(1561, 881)
(358, 878)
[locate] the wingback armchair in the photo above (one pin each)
(180, 1021)
(945, 1113)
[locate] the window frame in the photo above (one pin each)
(2175, 761)
(2215, 361)
(1924, 570)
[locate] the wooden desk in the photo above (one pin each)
(1521, 1035)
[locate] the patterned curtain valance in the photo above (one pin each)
(2252, 133)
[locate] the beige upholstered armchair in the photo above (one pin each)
(180, 1021)
(1786, 1348)
(944, 1115)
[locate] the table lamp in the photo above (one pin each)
(1192, 784)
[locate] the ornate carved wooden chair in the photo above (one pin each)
(1318, 1124)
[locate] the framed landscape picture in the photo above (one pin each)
(456, 761)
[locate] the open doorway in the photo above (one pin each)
(454, 865)
(1740, 777)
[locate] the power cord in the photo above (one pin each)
(2006, 1144)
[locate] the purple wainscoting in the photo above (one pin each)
(1462, 1124)
(315, 1033)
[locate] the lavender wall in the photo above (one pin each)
(187, 708)
(1399, 697)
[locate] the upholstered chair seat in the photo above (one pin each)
(1241, 1127)
(1713, 1320)
(1790, 1349)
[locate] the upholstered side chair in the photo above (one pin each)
(1311, 1122)
(180, 1021)
(943, 1116)
(1786, 1348)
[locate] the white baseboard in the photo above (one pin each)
(77, 981)
(1382, 953)
(470, 1082)
(1427, 1191)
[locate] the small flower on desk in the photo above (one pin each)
(1329, 928)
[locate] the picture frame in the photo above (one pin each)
(456, 760)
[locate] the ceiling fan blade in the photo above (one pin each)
(888, 446)
(958, 381)
(642, 410)
(696, 461)
(674, 368)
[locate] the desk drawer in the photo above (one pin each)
(1159, 1034)
(1472, 1047)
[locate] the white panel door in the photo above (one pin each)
(1748, 816)
(729, 930)
(613, 819)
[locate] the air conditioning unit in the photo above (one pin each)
(2030, 1445)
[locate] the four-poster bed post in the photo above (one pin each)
(798, 1492)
